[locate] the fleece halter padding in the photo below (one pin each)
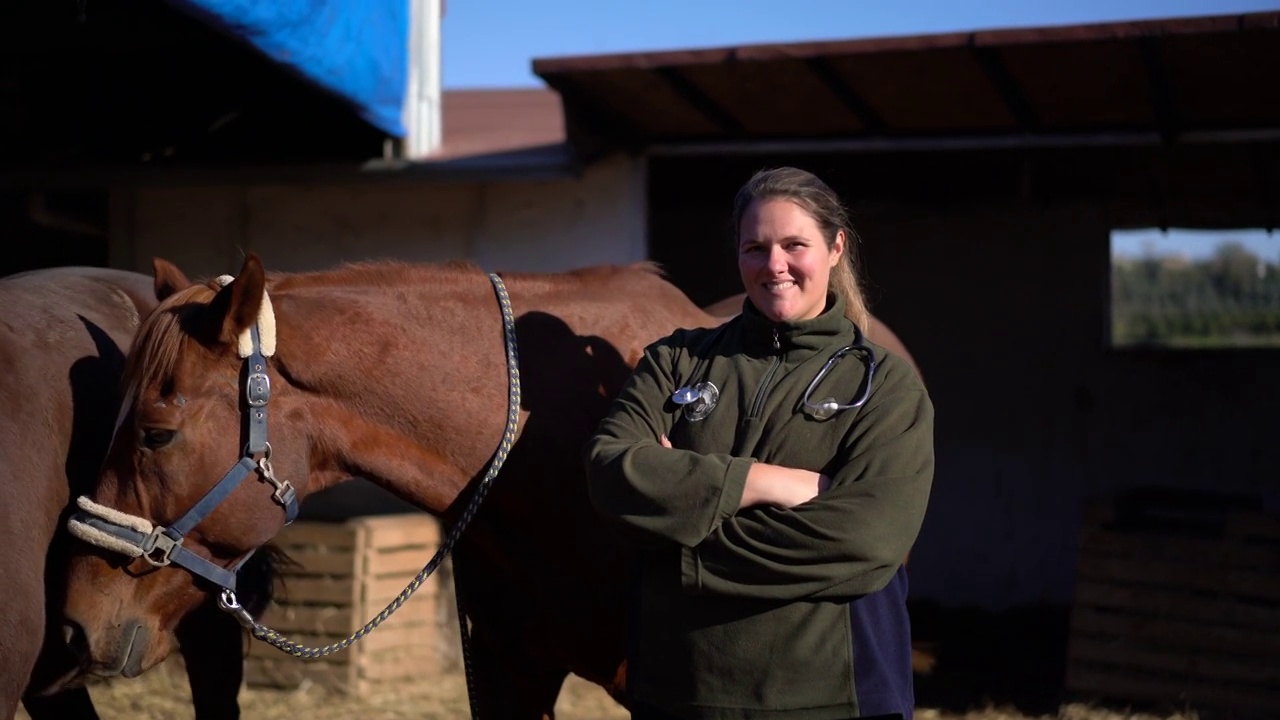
(135, 537)
(266, 325)
(105, 540)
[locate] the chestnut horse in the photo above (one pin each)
(62, 344)
(395, 373)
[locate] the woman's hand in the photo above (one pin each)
(776, 485)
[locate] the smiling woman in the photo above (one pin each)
(792, 234)
(772, 581)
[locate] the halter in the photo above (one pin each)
(161, 546)
(134, 536)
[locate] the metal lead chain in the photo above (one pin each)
(230, 604)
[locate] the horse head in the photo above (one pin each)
(196, 373)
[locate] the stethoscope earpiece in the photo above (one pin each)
(685, 396)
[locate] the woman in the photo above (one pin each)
(773, 529)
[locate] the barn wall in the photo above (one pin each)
(545, 225)
(998, 286)
(1004, 307)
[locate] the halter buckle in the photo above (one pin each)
(157, 547)
(257, 389)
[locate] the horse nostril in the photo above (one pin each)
(73, 634)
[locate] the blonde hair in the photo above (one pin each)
(821, 202)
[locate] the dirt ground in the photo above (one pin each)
(163, 695)
(987, 667)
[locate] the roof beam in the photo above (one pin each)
(944, 143)
(1001, 79)
(592, 128)
(551, 162)
(821, 68)
(1163, 104)
(690, 93)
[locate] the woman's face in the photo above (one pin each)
(784, 262)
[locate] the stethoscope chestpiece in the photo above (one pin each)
(697, 401)
(829, 406)
(823, 409)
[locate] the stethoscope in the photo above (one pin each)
(700, 399)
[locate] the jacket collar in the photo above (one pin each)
(829, 328)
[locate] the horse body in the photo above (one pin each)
(396, 374)
(61, 346)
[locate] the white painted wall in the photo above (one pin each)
(545, 225)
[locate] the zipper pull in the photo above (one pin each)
(777, 345)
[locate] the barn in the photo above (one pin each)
(987, 173)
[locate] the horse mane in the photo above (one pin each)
(164, 334)
(380, 272)
(650, 266)
(162, 337)
(643, 267)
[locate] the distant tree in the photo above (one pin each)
(1163, 299)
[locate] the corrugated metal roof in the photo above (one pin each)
(1169, 78)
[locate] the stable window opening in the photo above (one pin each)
(1195, 288)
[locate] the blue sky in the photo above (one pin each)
(492, 43)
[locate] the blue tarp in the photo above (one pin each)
(357, 49)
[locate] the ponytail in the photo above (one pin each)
(821, 202)
(844, 282)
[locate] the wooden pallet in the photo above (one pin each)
(346, 574)
(1178, 608)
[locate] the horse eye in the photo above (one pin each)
(156, 438)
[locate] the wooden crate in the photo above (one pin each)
(1178, 607)
(346, 574)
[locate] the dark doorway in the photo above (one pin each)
(51, 229)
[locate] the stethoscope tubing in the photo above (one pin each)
(696, 398)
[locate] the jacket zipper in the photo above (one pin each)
(758, 404)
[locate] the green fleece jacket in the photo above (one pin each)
(746, 613)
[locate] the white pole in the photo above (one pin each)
(422, 112)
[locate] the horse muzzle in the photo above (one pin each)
(120, 650)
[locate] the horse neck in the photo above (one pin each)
(405, 379)
(402, 381)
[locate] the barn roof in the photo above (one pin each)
(74, 103)
(1170, 80)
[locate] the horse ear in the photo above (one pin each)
(169, 279)
(235, 308)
